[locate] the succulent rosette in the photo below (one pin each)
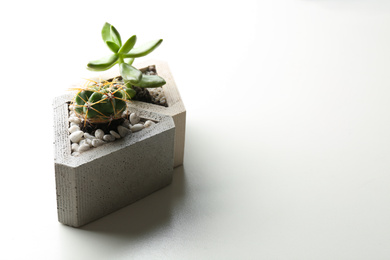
(102, 102)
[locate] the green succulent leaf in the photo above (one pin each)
(115, 36)
(130, 93)
(106, 32)
(104, 63)
(144, 49)
(129, 73)
(113, 47)
(109, 33)
(129, 44)
(129, 60)
(150, 81)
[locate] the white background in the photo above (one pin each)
(288, 129)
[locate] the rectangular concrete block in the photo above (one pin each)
(114, 175)
(175, 107)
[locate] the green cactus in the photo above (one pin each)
(101, 102)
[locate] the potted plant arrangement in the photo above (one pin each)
(109, 150)
(146, 89)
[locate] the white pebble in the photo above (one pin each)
(75, 153)
(115, 134)
(75, 137)
(88, 136)
(74, 128)
(108, 138)
(97, 142)
(74, 119)
(71, 107)
(99, 133)
(148, 123)
(84, 147)
(125, 114)
(134, 118)
(123, 131)
(136, 127)
(75, 147)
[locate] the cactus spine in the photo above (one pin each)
(101, 102)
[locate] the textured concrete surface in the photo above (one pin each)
(175, 107)
(107, 178)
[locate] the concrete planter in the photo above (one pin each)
(107, 178)
(175, 107)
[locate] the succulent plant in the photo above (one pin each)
(124, 55)
(102, 102)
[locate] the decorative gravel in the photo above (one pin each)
(157, 94)
(83, 141)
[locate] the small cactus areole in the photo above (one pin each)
(101, 102)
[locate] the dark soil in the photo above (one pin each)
(143, 93)
(106, 127)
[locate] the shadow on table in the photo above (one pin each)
(146, 215)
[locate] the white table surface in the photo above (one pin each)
(288, 129)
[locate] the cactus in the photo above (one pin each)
(101, 102)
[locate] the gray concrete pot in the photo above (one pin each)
(114, 175)
(175, 107)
